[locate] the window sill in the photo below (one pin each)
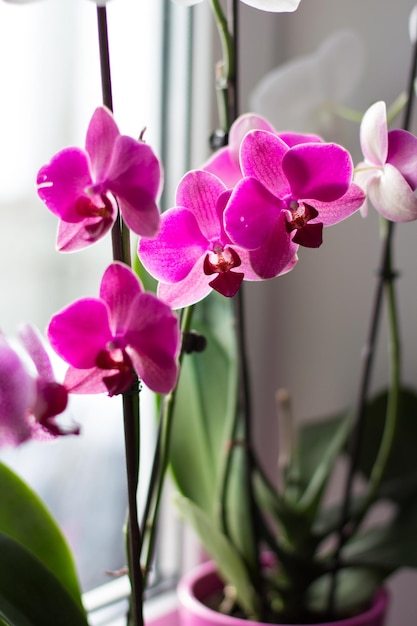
(107, 606)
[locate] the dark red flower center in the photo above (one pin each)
(119, 362)
(86, 207)
(221, 261)
(298, 218)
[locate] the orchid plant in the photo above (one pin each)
(242, 216)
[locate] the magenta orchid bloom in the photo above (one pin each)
(106, 340)
(30, 397)
(17, 393)
(389, 173)
(288, 191)
(81, 186)
(192, 253)
(225, 162)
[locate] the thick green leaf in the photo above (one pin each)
(24, 518)
(229, 563)
(387, 547)
(29, 594)
(238, 518)
(205, 406)
(355, 588)
(402, 463)
(319, 445)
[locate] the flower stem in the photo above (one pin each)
(226, 69)
(394, 389)
(161, 459)
(385, 283)
(121, 252)
(227, 85)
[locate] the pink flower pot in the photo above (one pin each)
(203, 581)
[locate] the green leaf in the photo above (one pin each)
(402, 463)
(319, 445)
(355, 588)
(205, 406)
(30, 595)
(238, 506)
(229, 563)
(387, 547)
(24, 518)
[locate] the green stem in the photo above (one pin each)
(161, 458)
(130, 399)
(385, 277)
(393, 392)
(225, 70)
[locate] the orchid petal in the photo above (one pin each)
(374, 134)
(274, 6)
(17, 393)
(199, 191)
(242, 126)
(301, 93)
(290, 95)
(277, 255)
(261, 156)
(412, 25)
(392, 196)
(118, 289)
(63, 181)
(321, 171)
(73, 237)
(153, 339)
(179, 244)
(293, 139)
(251, 214)
(402, 154)
(224, 163)
(338, 210)
(102, 133)
(34, 346)
(193, 288)
(135, 177)
(80, 332)
(225, 166)
(85, 380)
(187, 3)
(340, 60)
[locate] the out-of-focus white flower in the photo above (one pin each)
(273, 6)
(412, 25)
(303, 93)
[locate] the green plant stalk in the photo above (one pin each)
(225, 70)
(130, 399)
(131, 417)
(161, 459)
(342, 534)
(388, 434)
(227, 109)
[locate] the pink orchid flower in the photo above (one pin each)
(106, 340)
(30, 397)
(192, 254)
(82, 187)
(286, 190)
(389, 173)
(225, 162)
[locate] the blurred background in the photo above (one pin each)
(307, 329)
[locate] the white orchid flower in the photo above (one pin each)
(303, 93)
(273, 6)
